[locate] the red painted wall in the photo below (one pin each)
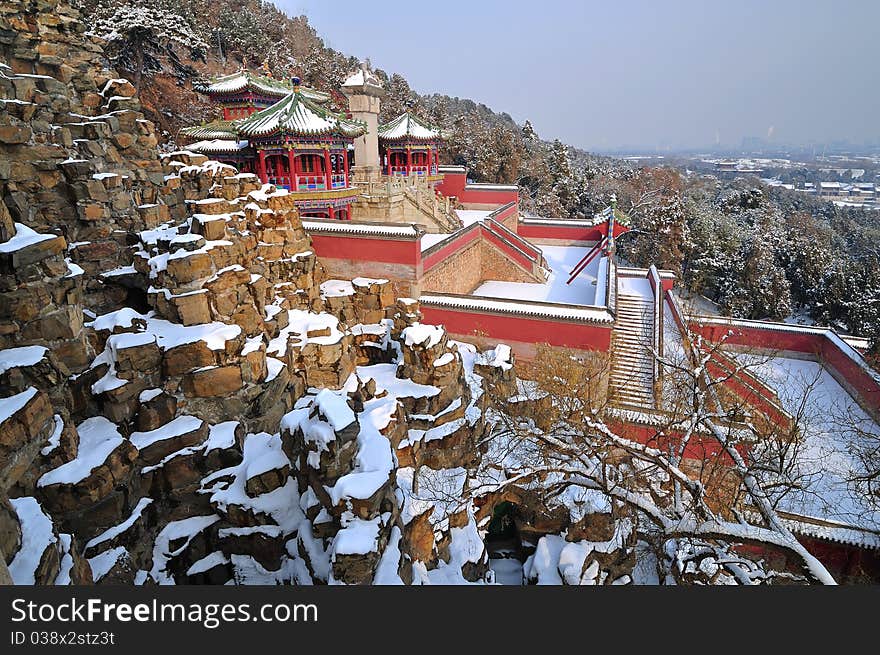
(567, 233)
(465, 238)
(817, 344)
(516, 328)
(367, 249)
(453, 184)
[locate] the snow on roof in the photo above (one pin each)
(407, 126)
(362, 77)
(269, 86)
(297, 114)
(536, 309)
(219, 129)
(377, 229)
(218, 145)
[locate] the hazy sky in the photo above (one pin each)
(631, 73)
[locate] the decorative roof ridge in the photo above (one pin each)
(386, 130)
(283, 116)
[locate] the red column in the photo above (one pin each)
(430, 157)
(327, 173)
(261, 166)
(291, 167)
(388, 162)
(408, 160)
(345, 165)
(331, 212)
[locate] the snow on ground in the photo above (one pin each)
(561, 260)
(826, 456)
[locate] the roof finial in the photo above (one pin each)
(266, 69)
(295, 81)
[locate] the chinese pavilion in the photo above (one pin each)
(239, 95)
(409, 146)
(243, 93)
(304, 147)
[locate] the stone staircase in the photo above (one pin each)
(632, 370)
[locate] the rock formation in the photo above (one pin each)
(184, 396)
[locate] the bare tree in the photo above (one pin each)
(717, 499)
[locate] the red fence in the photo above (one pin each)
(847, 365)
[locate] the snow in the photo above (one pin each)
(221, 436)
(98, 437)
(561, 260)
(73, 270)
(66, 566)
(207, 563)
(507, 570)
(125, 340)
(430, 240)
(268, 458)
(24, 237)
(500, 356)
(335, 409)
(360, 228)
(470, 216)
(385, 376)
(36, 536)
(336, 288)
(357, 536)
(407, 125)
(825, 456)
(175, 531)
(103, 562)
(273, 368)
(170, 335)
(175, 428)
(116, 530)
(527, 308)
(55, 438)
(148, 394)
(227, 486)
(12, 404)
(23, 356)
(374, 461)
(635, 286)
(421, 334)
(122, 319)
(300, 323)
(386, 571)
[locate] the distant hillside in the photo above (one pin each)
(758, 254)
(164, 45)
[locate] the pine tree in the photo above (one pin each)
(138, 35)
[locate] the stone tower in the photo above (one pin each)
(364, 92)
